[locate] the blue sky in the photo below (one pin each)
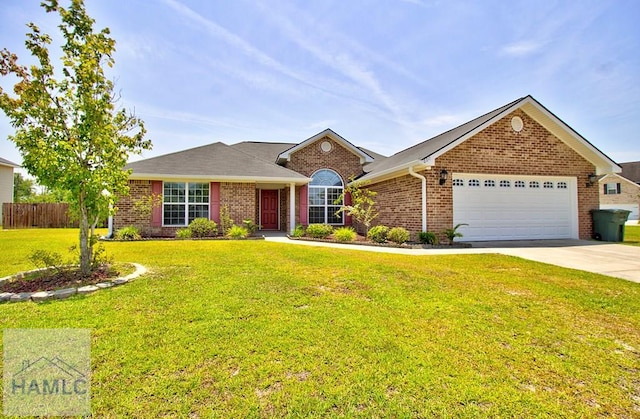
(384, 74)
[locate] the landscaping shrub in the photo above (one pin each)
(237, 232)
(398, 235)
(225, 219)
(319, 231)
(378, 234)
(344, 234)
(298, 231)
(46, 259)
(427, 237)
(452, 233)
(128, 233)
(250, 226)
(183, 233)
(202, 227)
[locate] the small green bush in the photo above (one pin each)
(378, 234)
(202, 227)
(237, 232)
(250, 226)
(319, 231)
(183, 233)
(427, 237)
(344, 234)
(128, 233)
(398, 235)
(46, 259)
(298, 231)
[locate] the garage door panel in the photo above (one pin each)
(514, 213)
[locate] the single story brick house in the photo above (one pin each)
(622, 191)
(6, 182)
(517, 172)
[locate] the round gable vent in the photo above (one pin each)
(326, 146)
(517, 124)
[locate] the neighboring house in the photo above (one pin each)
(6, 182)
(618, 192)
(518, 172)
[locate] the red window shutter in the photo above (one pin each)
(347, 218)
(156, 211)
(214, 202)
(304, 205)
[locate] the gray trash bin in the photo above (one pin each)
(608, 224)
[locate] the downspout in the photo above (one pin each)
(424, 196)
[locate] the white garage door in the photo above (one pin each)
(499, 207)
(629, 207)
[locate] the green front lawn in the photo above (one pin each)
(258, 329)
(632, 235)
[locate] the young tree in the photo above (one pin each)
(22, 188)
(362, 203)
(67, 127)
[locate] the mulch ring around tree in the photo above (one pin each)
(59, 283)
(53, 279)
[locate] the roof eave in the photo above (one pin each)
(396, 171)
(218, 178)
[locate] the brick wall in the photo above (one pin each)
(311, 158)
(241, 200)
(499, 150)
(240, 197)
(629, 191)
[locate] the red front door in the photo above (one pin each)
(269, 210)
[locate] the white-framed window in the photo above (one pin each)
(489, 183)
(505, 184)
(519, 184)
(183, 202)
(612, 189)
(562, 185)
(458, 182)
(547, 185)
(325, 188)
(534, 184)
(474, 182)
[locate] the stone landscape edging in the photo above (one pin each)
(60, 294)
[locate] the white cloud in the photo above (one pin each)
(522, 48)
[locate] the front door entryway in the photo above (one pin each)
(269, 209)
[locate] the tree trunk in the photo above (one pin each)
(85, 245)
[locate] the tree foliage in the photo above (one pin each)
(362, 207)
(23, 190)
(67, 127)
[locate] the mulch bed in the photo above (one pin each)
(51, 280)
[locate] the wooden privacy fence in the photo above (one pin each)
(39, 215)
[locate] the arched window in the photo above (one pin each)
(325, 188)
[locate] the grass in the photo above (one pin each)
(258, 329)
(632, 235)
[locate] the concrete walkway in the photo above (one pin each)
(616, 260)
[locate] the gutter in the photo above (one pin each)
(424, 196)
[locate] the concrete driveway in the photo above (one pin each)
(617, 260)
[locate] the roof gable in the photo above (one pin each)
(286, 155)
(426, 152)
(617, 178)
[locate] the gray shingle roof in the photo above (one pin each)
(265, 151)
(213, 161)
(426, 148)
(631, 170)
